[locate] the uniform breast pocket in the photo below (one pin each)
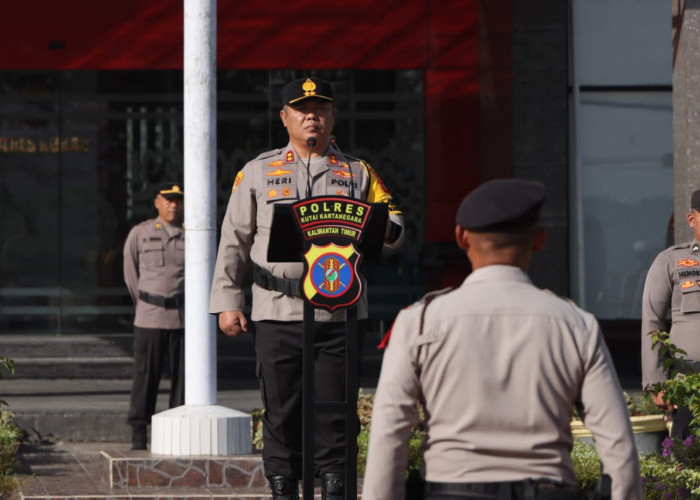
(180, 252)
(152, 254)
(690, 300)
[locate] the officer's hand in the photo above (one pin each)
(232, 323)
(659, 401)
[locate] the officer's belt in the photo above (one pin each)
(173, 302)
(527, 489)
(265, 279)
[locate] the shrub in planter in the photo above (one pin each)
(675, 472)
(10, 439)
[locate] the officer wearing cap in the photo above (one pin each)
(309, 165)
(673, 284)
(499, 365)
(154, 272)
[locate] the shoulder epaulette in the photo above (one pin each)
(423, 302)
(268, 154)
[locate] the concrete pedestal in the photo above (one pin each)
(196, 430)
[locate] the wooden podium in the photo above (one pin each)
(334, 236)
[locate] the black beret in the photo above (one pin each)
(305, 88)
(695, 199)
(501, 204)
(169, 190)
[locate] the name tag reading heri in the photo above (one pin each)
(331, 229)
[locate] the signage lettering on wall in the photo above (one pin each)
(32, 145)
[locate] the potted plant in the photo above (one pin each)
(649, 423)
(674, 472)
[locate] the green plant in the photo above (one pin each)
(586, 464)
(10, 439)
(365, 404)
(642, 403)
(9, 365)
(682, 388)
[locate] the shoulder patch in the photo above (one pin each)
(237, 181)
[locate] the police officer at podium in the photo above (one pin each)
(499, 365)
(154, 272)
(309, 165)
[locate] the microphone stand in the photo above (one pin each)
(311, 142)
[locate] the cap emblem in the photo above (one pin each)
(309, 87)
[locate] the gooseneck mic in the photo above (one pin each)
(311, 142)
(334, 142)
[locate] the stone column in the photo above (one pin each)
(541, 125)
(686, 110)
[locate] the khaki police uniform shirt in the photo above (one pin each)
(673, 283)
(499, 366)
(279, 176)
(155, 263)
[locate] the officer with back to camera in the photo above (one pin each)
(309, 165)
(673, 284)
(154, 272)
(499, 366)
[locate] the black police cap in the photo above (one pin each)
(305, 88)
(695, 199)
(169, 190)
(501, 205)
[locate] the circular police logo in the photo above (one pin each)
(332, 275)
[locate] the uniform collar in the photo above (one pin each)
(498, 273)
(329, 159)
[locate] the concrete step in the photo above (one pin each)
(110, 356)
(106, 356)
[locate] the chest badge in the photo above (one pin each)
(688, 263)
(687, 284)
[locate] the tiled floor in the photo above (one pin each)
(69, 471)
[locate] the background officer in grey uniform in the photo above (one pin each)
(154, 272)
(499, 365)
(308, 166)
(673, 283)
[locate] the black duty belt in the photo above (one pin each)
(173, 302)
(265, 279)
(527, 489)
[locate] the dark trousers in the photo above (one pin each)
(279, 347)
(151, 345)
(681, 422)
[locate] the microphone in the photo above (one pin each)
(311, 142)
(334, 142)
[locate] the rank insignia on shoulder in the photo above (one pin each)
(333, 159)
(289, 158)
(158, 226)
(688, 263)
(687, 284)
(237, 181)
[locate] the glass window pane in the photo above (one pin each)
(626, 149)
(622, 42)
